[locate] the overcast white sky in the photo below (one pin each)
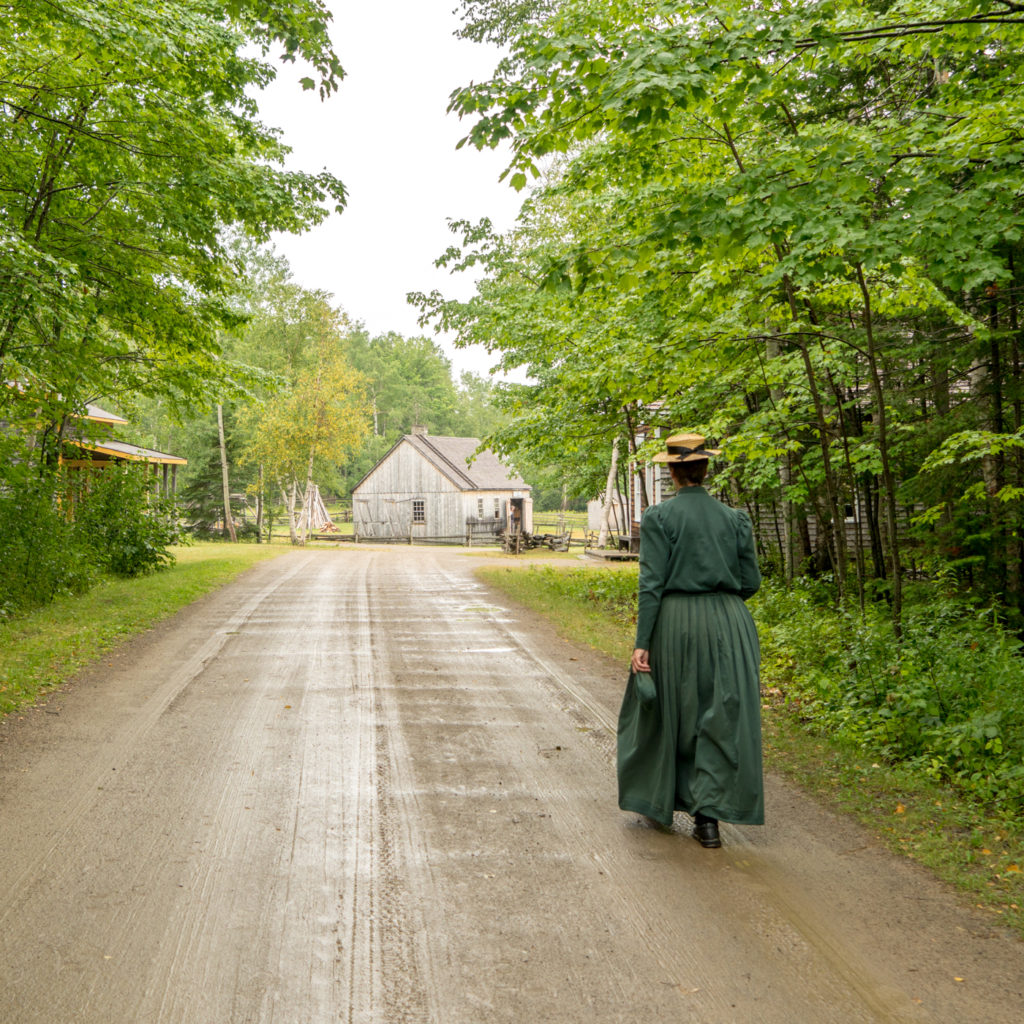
(386, 135)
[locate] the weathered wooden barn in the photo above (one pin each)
(436, 489)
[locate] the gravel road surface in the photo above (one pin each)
(355, 786)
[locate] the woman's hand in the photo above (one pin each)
(640, 662)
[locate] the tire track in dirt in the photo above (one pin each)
(882, 999)
(79, 794)
(667, 945)
(878, 924)
(386, 976)
(275, 821)
(375, 796)
(232, 905)
(116, 865)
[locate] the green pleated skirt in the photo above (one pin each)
(698, 746)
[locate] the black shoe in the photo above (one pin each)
(705, 831)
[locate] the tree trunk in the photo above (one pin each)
(288, 498)
(1015, 462)
(939, 375)
(888, 482)
(306, 498)
(602, 538)
(837, 551)
(846, 431)
(229, 523)
(1005, 524)
(645, 498)
(869, 498)
(625, 502)
(259, 506)
(787, 543)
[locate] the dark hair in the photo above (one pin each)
(692, 472)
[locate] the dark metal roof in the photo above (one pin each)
(129, 452)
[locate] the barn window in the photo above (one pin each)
(480, 508)
(419, 510)
(497, 508)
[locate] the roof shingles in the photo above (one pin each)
(449, 454)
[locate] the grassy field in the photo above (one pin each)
(911, 815)
(45, 648)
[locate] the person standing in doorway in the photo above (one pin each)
(694, 745)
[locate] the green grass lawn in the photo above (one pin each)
(43, 649)
(910, 814)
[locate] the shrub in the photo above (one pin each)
(127, 530)
(614, 589)
(40, 556)
(946, 699)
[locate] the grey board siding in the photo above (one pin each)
(384, 501)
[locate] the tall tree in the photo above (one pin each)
(318, 420)
(728, 178)
(229, 521)
(409, 381)
(129, 140)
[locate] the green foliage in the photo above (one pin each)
(409, 382)
(129, 142)
(45, 648)
(800, 233)
(199, 490)
(60, 532)
(945, 701)
(117, 519)
(132, 160)
(612, 589)
(40, 554)
(297, 351)
(498, 20)
(946, 829)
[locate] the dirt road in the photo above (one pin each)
(353, 787)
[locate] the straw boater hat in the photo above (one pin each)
(685, 448)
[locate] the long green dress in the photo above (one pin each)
(697, 748)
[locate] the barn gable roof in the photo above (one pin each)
(449, 454)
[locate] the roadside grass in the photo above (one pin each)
(44, 648)
(930, 823)
(911, 815)
(583, 622)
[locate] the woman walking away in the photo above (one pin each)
(694, 743)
